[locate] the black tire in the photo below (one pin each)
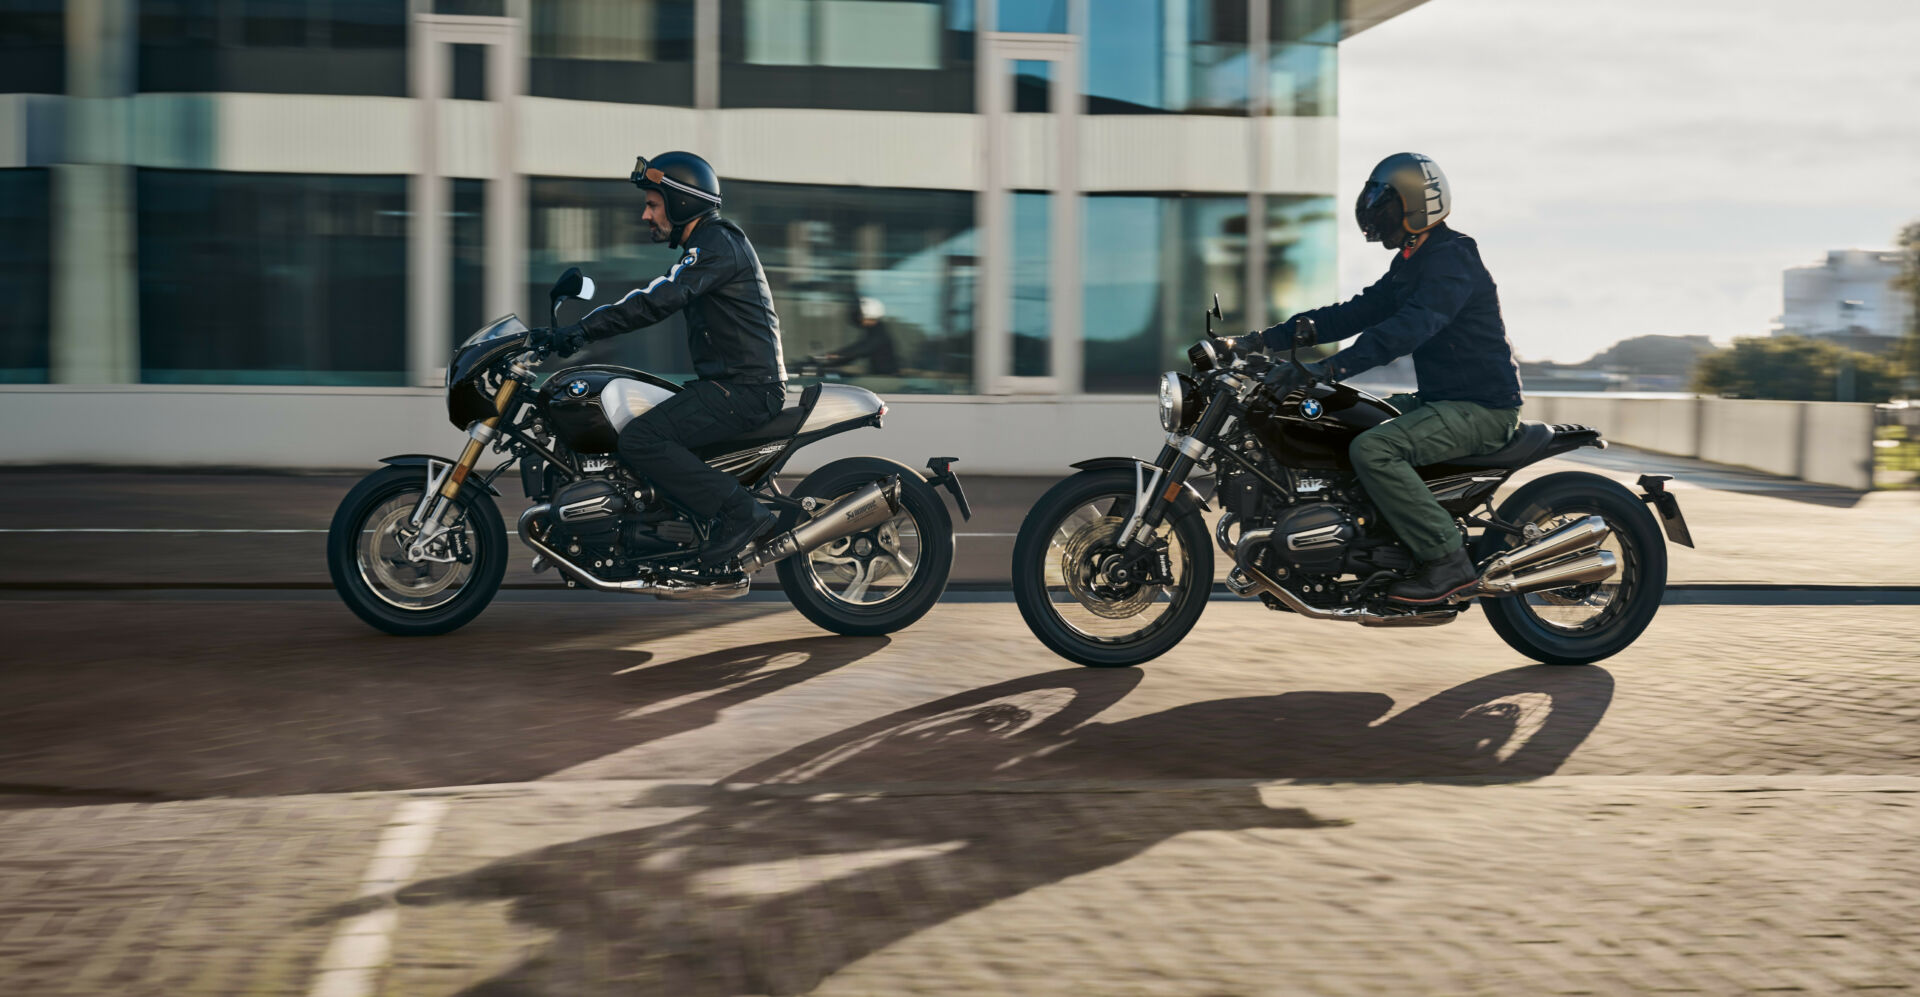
(903, 606)
(1033, 550)
(1642, 574)
(489, 555)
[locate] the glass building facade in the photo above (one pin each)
(1041, 195)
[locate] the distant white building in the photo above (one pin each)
(1849, 298)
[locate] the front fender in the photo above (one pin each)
(420, 460)
(1126, 464)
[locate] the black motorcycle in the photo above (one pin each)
(1114, 565)
(863, 545)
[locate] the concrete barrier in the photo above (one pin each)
(321, 427)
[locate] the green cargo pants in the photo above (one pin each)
(1425, 433)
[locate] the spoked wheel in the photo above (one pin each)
(1078, 597)
(369, 557)
(1584, 623)
(882, 579)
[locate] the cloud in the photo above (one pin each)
(1637, 166)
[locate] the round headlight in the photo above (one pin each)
(1172, 402)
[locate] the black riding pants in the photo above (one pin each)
(656, 445)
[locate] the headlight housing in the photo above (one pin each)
(1179, 402)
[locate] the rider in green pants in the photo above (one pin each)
(1438, 303)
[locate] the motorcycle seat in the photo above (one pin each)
(1527, 445)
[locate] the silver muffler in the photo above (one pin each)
(1595, 567)
(865, 509)
(1574, 538)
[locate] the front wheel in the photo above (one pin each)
(1066, 573)
(1582, 624)
(879, 580)
(367, 555)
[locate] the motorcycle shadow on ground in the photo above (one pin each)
(800, 865)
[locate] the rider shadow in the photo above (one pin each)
(771, 889)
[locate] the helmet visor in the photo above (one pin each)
(1378, 211)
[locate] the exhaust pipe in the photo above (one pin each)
(667, 589)
(1596, 567)
(1573, 538)
(863, 510)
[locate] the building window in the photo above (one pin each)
(863, 55)
(911, 252)
(26, 275)
(33, 47)
(354, 47)
(1168, 57)
(1151, 265)
(254, 278)
(1301, 233)
(823, 249)
(1303, 61)
(625, 51)
(467, 227)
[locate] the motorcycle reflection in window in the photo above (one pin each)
(862, 546)
(1114, 565)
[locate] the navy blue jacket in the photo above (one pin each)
(1439, 305)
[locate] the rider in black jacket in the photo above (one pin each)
(734, 337)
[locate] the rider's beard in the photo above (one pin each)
(656, 233)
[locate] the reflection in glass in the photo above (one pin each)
(1032, 320)
(1167, 56)
(253, 278)
(1151, 265)
(1301, 272)
(908, 55)
(26, 275)
(1303, 62)
(626, 51)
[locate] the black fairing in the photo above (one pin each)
(1317, 443)
(578, 419)
(467, 400)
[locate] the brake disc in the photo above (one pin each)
(1080, 566)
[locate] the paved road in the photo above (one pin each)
(265, 797)
(1752, 528)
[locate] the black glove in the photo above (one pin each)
(1244, 345)
(1284, 377)
(562, 342)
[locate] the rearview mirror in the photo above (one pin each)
(586, 289)
(1216, 307)
(569, 285)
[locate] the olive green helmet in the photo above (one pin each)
(1405, 195)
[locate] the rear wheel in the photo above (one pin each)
(1582, 624)
(368, 556)
(879, 580)
(1065, 574)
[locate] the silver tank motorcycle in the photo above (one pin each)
(863, 545)
(1113, 566)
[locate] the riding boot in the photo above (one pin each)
(1437, 579)
(741, 521)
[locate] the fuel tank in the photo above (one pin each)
(1311, 428)
(586, 406)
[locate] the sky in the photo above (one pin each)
(1641, 166)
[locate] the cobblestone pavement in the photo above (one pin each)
(752, 808)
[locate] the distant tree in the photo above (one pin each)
(1795, 368)
(1653, 354)
(1908, 356)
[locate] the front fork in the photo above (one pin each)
(432, 517)
(1158, 484)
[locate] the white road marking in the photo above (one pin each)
(361, 945)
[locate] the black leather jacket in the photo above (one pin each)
(732, 330)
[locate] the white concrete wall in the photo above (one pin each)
(315, 427)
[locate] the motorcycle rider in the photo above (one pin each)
(732, 333)
(1438, 303)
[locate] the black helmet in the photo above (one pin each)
(686, 183)
(1405, 195)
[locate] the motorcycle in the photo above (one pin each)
(862, 546)
(1114, 565)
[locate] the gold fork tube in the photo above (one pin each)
(478, 444)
